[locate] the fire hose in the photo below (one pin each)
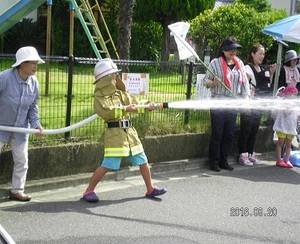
(51, 131)
(5, 237)
(227, 104)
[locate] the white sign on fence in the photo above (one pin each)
(136, 83)
(201, 91)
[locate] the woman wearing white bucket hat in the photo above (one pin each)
(290, 72)
(19, 93)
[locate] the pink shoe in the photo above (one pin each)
(281, 163)
(156, 192)
(90, 197)
(289, 164)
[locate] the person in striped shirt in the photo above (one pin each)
(226, 78)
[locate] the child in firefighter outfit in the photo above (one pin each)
(113, 104)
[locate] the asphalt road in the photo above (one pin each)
(258, 204)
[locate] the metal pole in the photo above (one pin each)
(69, 94)
(70, 68)
(188, 91)
(71, 37)
(48, 46)
(278, 66)
(292, 7)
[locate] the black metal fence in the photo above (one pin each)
(66, 98)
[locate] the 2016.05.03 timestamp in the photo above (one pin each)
(253, 212)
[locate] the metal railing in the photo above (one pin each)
(66, 97)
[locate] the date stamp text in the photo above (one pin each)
(253, 212)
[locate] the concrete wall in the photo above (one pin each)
(287, 5)
(69, 159)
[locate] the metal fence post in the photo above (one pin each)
(189, 91)
(69, 94)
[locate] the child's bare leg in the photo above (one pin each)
(288, 148)
(279, 146)
(146, 174)
(96, 177)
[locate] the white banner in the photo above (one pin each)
(180, 29)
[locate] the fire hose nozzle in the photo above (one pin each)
(157, 105)
(164, 105)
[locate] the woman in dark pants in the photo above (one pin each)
(260, 86)
(222, 133)
(228, 82)
(249, 126)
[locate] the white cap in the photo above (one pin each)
(105, 67)
(27, 54)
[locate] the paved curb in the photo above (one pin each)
(80, 179)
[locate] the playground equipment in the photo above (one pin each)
(85, 12)
(17, 12)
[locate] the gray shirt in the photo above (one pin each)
(18, 104)
(238, 89)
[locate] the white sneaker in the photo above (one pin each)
(244, 160)
(253, 159)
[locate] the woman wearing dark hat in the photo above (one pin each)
(229, 82)
(290, 72)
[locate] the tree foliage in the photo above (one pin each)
(169, 11)
(258, 5)
(237, 20)
(146, 41)
(175, 10)
(23, 33)
(110, 10)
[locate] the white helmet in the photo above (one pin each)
(105, 67)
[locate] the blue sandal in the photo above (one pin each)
(91, 197)
(156, 192)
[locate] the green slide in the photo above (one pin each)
(17, 12)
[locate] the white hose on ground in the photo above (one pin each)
(52, 131)
(7, 238)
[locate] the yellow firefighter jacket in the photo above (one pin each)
(109, 104)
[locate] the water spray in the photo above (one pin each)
(263, 104)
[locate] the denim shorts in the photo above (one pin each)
(115, 162)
